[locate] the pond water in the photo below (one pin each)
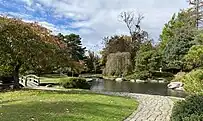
(142, 88)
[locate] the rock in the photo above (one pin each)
(153, 81)
(119, 79)
(140, 81)
(161, 80)
(89, 80)
(49, 85)
(132, 80)
(175, 85)
(180, 89)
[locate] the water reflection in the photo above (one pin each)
(143, 88)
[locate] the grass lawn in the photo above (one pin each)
(63, 106)
(52, 78)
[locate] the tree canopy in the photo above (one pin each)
(176, 39)
(26, 45)
(194, 58)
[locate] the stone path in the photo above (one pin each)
(151, 107)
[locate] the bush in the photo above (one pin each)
(179, 76)
(193, 81)
(80, 83)
(191, 109)
(6, 79)
(5, 70)
(143, 75)
(132, 76)
(162, 74)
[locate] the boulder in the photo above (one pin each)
(119, 79)
(49, 85)
(140, 81)
(153, 81)
(89, 80)
(175, 85)
(180, 89)
(132, 80)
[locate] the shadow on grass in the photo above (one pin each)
(63, 91)
(64, 111)
(7, 101)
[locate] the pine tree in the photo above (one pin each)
(197, 5)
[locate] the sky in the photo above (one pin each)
(93, 19)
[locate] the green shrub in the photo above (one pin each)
(143, 75)
(80, 83)
(179, 76)
(161, 74)
(5, 70)
(190, 109)
(132, 76)
(193, 81)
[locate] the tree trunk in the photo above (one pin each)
(16, 76)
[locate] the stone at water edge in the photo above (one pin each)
(139, 81)
(180, 89)
(132, 80)
(153, 81)
(89, 80)
(175, 85)
(119, 79)
(49, 85)
(161, 80)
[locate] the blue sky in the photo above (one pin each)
(92, 19)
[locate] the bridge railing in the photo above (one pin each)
(31, 78)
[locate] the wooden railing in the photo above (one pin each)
(28, 79)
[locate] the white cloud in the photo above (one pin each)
(102, 15)
(99, 18)
(28, 2)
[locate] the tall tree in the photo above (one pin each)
(92, 62)
(25, 44)
(176, 39)
(148, 58)
(197, 11)
(115, 44)
(133, 23)
(75, 50)
(74, 46)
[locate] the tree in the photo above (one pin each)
(74, 46)
(198, 40)
(194, 58)
(147, 59)
(176, 39)
(92, 62)
(25, 45)
(118, 64)
(197, 10)
(76, 52)
(115, 44)
(133, 23)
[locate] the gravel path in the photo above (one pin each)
(151, 107)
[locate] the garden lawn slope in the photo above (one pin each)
(63, 106)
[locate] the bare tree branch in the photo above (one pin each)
(132, 22)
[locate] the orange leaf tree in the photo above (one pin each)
(28, 45)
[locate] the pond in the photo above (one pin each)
(142, 88)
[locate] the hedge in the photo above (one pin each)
(74, 82)
(190, 109)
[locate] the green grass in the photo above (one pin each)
(52, 79)
(63, 106)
